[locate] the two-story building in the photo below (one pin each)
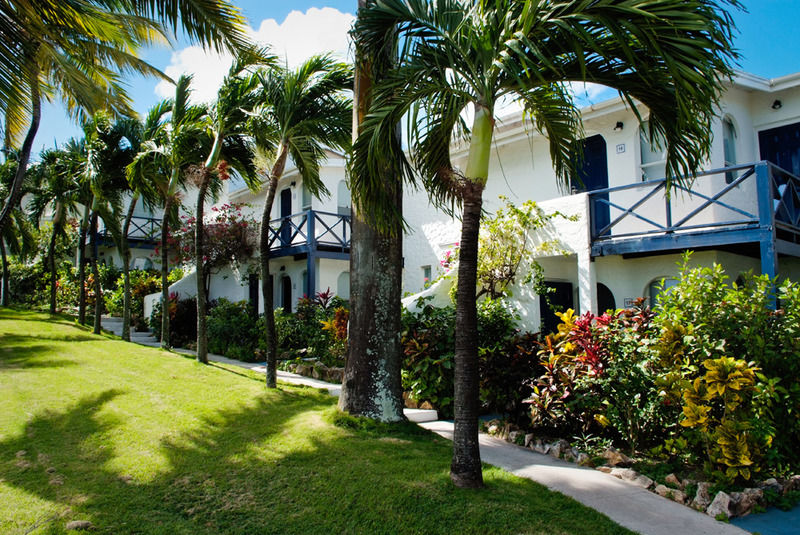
(630, 230)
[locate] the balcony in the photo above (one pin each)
(143, 232)
(750, 209)
(312, 233)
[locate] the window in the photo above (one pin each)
(659, 286)
(426, 274)
(306, 199)
(343, 198)
(729, 148)
(343, 285)
(654, 155)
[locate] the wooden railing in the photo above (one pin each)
(143, 229)
(743, 196)
(311, 229)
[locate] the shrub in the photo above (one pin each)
(234, 330)
(314, 330)
(182, 321)
(428, 341)
(143, 282)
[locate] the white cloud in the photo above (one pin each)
(298, 37)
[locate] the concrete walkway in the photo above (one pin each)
(630, 506)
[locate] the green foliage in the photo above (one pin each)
(28, 283)
(710, 377)
(143, 282)
(182, 321)
(313, 330)
(505, 357)
(234, 330)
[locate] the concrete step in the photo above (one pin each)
(421, 415)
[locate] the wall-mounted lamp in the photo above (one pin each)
(293, 184)
(618, 126)
(283, 268)
(777, 105)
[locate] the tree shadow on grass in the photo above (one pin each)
(20, 351)
(273, 465)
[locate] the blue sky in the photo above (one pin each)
(768, 40)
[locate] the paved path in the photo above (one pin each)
(630, 506)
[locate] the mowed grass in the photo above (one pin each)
(138, 440)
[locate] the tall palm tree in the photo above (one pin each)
(55, 188)
(16, 238)
(672, 56)
(372, 386)
(300, 113)
(171, 149)
(112, 145)
(78, 51)
(231, 151)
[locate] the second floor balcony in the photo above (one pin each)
(322, 234)
(751, 209)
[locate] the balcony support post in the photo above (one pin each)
(311, 259)
(766, 220)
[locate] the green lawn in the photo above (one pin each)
(137, 440)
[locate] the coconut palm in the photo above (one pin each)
(112, 147)
(170, 151)
(468, 56)
(78, 51)
(54, 187)
(300, 113)
(16, 238)
(231, 151)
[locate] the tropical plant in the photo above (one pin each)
(170, 151)
(231, 152)
(78, 51)
(17, 237)
(458, 57)
(300, 113)
(56, 186)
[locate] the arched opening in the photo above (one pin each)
(605, 298)
(659, 286)
(729, 148)
(286, 294)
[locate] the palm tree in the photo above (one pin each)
(172, 148)
(372, 386)
(231, 150)
(16, 236)
(78, 51)
(54, 187)
(672, 56)
(111, 148)
(300, 113)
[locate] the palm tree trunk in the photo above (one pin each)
(25, 152)
(98, 290)
(82, 266)
(371, 386)
(126, 271)
(4, 290)
(51, 264)
(465, 469)
(199, 255)
(165, 275)
(266, 281)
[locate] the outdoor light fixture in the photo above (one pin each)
(777, 105)
(618, 126)
(293, 184)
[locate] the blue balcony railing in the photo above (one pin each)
(142, 229)
(310, 230)
(752, 195)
